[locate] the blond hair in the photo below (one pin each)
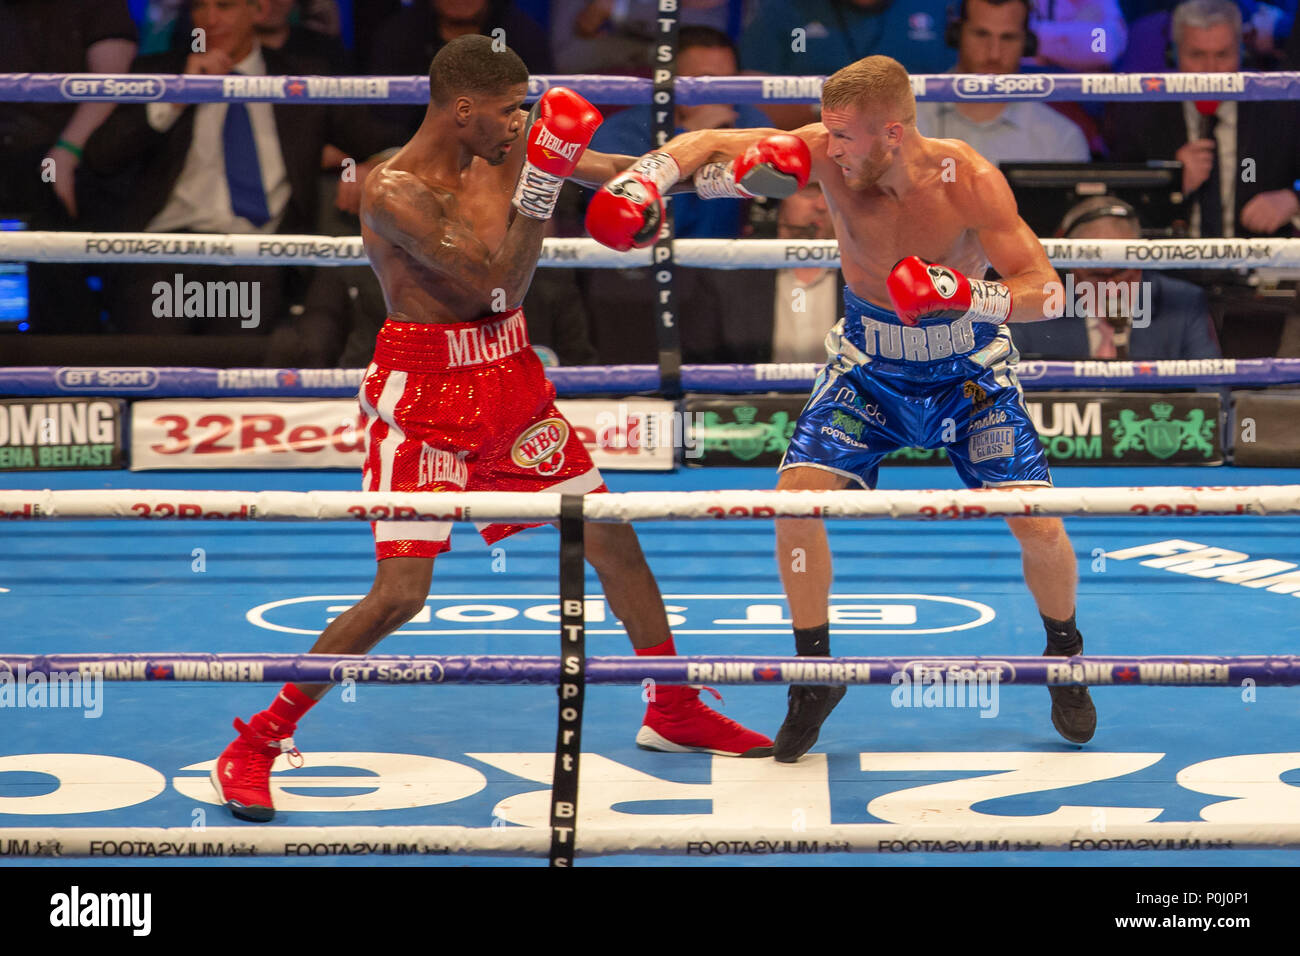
(877, 85)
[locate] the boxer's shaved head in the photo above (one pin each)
(469, 66)
(877, 86)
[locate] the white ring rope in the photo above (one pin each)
(521, 507)
(259, 249)
(100, 842)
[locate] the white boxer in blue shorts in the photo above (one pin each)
(923, 355)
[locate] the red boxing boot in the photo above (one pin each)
(242, 776)
(677, 721)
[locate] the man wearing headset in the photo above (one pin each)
(991, 37)
(1120, 313)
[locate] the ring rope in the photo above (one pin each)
(240, 249)
(136, 382)
(101, 842)
(523, 507)
(1180, 670)
(629, 91)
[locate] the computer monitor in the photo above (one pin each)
(14, 297)
(1046, 191)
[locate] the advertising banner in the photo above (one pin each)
(271, 434)
(1076, 428)
(55, 434)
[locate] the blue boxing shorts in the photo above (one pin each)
(941, 384)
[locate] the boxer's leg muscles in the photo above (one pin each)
(629, 586)
(803, 554)
(397, 595)
(1051, 571)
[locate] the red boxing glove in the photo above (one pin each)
(776, 166)
(626, 213)
(561, 126)
(926, 290)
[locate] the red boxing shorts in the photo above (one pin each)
(463, 407)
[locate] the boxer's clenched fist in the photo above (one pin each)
(926, 290)
(560, 129)
(776, 166)
(626, 213)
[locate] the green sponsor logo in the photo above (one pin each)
(848, 424)
(1162, 436)
(56, 456)
(746, 438)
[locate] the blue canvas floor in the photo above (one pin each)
(478, 755)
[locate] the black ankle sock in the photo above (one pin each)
(1063, 637)
(813, 641)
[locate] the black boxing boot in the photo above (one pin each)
(808, 704)
(1073, 713)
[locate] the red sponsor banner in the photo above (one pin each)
(261, 434)
(277, 434)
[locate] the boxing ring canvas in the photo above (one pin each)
(481, 756)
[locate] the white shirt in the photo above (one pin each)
(1021, 133)
(200, 199)
(799, 336)
(1225, 134)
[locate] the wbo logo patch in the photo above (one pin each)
(541, 446)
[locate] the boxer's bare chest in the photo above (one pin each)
(876, 230)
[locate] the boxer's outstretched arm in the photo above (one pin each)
(596, 169)
(1012, 248)
(693, 150)
(403, 210)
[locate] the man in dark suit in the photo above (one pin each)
(1154, 316)
(1240, 159)
(220, 167)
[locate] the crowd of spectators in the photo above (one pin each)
(268, 168)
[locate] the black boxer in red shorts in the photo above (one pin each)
(463, 406)
(457, 400)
